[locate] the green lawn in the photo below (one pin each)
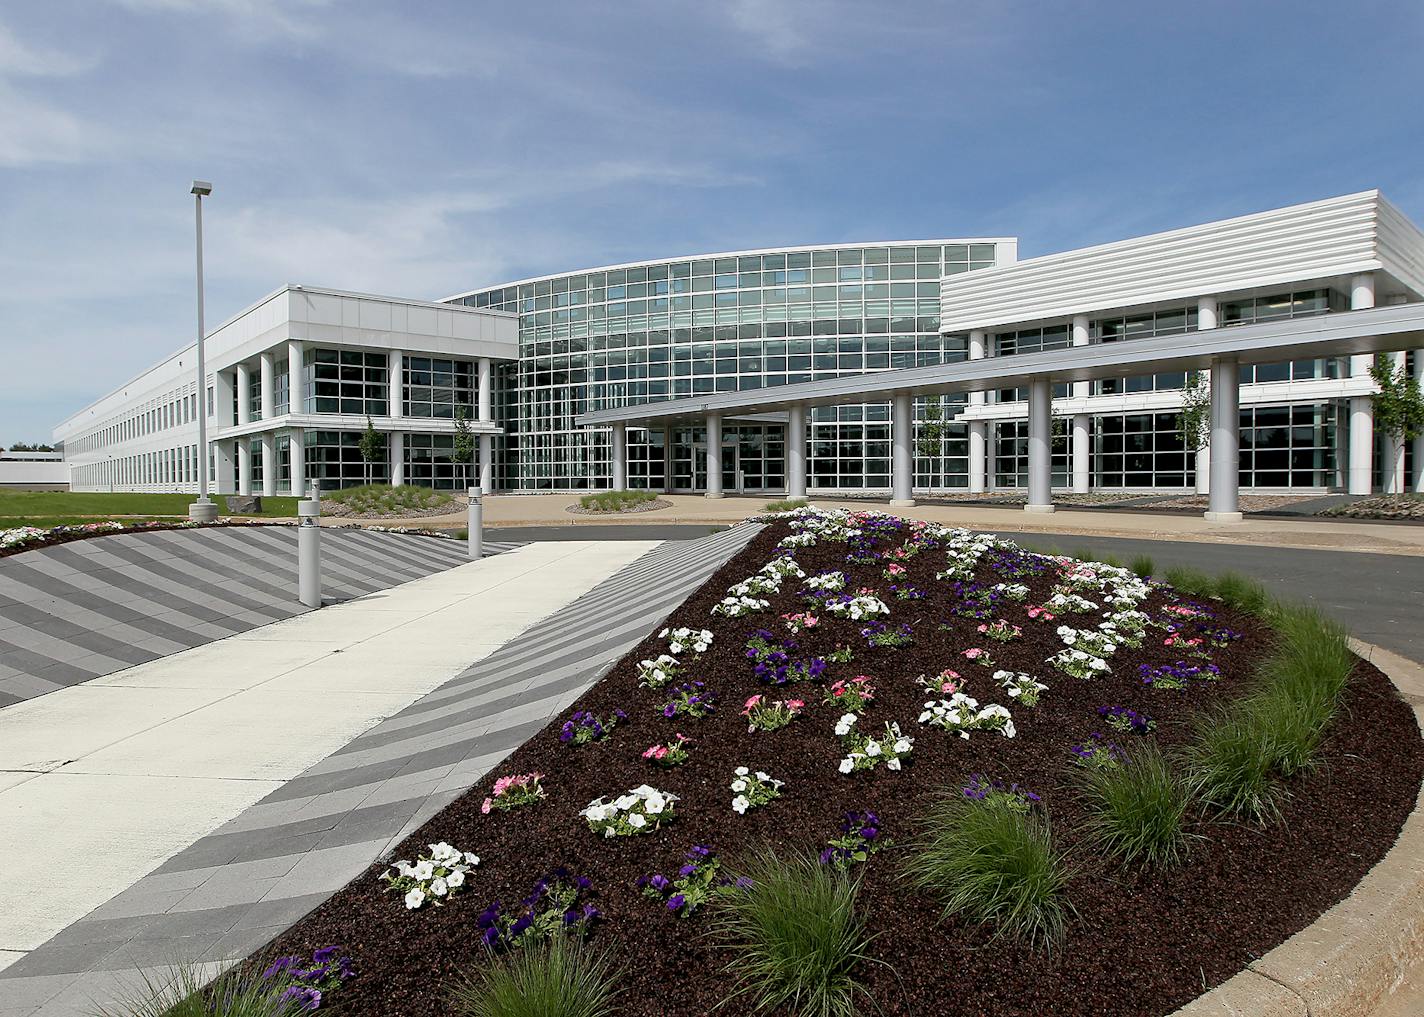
(85, 506)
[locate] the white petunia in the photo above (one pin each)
(740, 804)
(414, 899)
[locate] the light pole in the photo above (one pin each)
(204, 510)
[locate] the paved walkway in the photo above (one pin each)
(516, 510)
(163, 766)
(75, 611)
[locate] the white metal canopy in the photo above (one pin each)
(1373, 330)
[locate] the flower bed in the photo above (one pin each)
(1028, 732)
(30, 538)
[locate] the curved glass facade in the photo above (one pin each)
(717, 323)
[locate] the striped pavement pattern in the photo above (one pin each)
(88, 608)
(234, 890)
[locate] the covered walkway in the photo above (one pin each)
(1359, 332)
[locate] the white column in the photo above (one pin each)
(268, 383)
(395, 381)
(269, 464)
(978, 458)
(224, 472)
(298, 457)
(396, 447)
(1362, 297)
(669, 434)
(1223, 505)
(714, 455)
(244, 466)
(223, 384)
(244, 385)
(1206, 318)
(1081, 337)
(1082, 454)
(902, 458)
(978, 429)
(1362, 411)
(1040, 446)
(1419, 441)
(796, 452)
(486, 464)
(1362, 445)
(619, 443)
(296, 350)
(486, 390)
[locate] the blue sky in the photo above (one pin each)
(426, 148)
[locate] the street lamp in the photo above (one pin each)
(204, 510)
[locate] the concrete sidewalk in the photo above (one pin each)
(1263, 531)
(102, 782)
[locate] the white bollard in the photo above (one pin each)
(309, 551)
(476, 524)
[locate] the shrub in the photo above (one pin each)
(795, 937)
(992, 860)
(559, 978)
(786, 505)
(387, 500)
(1137, 809)
(185, 992)
(616, 501)
(1142, 566)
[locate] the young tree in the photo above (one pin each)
(1398, 405)
(1196, 413)
(372, 445)
(932, 431)
(462, 449)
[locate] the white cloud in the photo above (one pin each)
(34, 130)
(777, 26)
(259, 17)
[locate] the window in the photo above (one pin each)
(346, 381)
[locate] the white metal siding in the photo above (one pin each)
(1337, 236)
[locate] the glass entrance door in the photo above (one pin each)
(731, 458)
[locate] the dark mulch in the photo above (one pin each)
(1143, 943)
(69, 538)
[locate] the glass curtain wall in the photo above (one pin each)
(692, 327)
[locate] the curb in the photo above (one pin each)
(1354, 957)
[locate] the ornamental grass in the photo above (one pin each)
(184, 991)
(561, 977)
(616, 501)
(1244, 750)
(795, 938)
(1137, 808)
(992, 861)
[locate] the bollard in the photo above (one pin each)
(476, 525)
(309, 551)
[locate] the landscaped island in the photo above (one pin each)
(881, 766)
